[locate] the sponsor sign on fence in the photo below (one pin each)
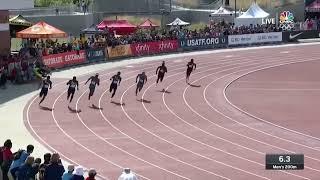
(154, 47)
(289, 36)
(64, 59)
(119, 51)
(258, 38)
(94, 55)
(204, 43)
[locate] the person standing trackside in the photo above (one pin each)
(161, 70)
(127, 174)
(115, 82)
(141, 80)
(94, 81)
(190, 67)
(72, 88)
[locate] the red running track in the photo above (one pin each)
(202, 131)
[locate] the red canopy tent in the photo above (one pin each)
(148, 24)
(121, 27)
(41, 30)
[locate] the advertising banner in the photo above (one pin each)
(119, 51)
(204, 43)
(94, 55)
(292, 36)
(154, 47)
(258, 38)
(64, 59)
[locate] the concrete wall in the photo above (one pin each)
(16, 4)
(71, 24)
(123, 6)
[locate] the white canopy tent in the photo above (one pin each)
(221, 12)
(253, 15)
(178, 22)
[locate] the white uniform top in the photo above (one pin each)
(130, 176)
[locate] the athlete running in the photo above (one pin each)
(94, 81)
(141, 80)
(115, 81)
(73, 83)
(46, 84)
(190, 67)
(161, 70)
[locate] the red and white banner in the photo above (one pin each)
(154, 47)
(64, 59)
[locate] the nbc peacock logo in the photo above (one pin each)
(286, 21)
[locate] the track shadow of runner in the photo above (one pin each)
(193, 85)
(144, 101)
(46, 108)
(95, 107)
(74, 110)
(165, 91)
(118, 104)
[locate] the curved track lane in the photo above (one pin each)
(188, 132)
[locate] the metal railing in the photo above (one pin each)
(50, 11)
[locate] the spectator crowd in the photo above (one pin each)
(19, 68)
(21, 165)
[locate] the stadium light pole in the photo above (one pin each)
(235, 8)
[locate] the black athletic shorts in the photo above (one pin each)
(113, 86)
(71, 90)
(140, 85)
(160, 76)
(189, 72)
(44, 92)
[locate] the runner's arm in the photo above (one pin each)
(120, 80)
(50, 83)
(157, 70)
(77, 84)
(88, 80)
(195, 66)
(137, 78)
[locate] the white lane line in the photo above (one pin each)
(47, 144)
(127, 136)
(168, 56)
(115, 138)
(202, 142)
(284, 52)
(204, 94)
(218, 136)
(263, 120)
(147, 130)
(275, 89)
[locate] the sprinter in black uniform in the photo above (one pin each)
(141, 80)
(161, 70)
(73, 83)
(94, 81)
(115, 81)
(190, 67)
(46, 84)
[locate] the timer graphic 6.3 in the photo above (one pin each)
(285, 161)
